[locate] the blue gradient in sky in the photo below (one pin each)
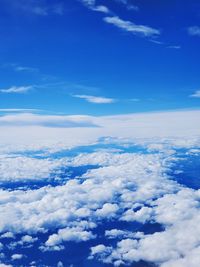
(71, 50)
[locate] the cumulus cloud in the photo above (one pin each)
(194, 30)
(131, 187)
(17, 90)
(96, 99)
(129, 26)
(76, 234)
(17, 256)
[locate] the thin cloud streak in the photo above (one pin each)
(96, 99)
(17, 90)
(128, 26)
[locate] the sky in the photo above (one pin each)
(99, 133)
(99, 57)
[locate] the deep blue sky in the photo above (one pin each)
(64, 48)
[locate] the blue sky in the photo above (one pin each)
(99, 57)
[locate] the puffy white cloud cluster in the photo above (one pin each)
(177, 245)
(21, 168)
(123, 182)
(127, 187)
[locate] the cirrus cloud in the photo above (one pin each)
(96, 99)
(131, 27)
(17, 89)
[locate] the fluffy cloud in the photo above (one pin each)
(126, 187)
(26, 168)
(101, 193)
(179, 213)
(17, 256)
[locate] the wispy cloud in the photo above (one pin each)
(96, 99)
(128, 5)
(129, 26)
(194, 30)
(19, 68)
(17, 89)
(174, 47)
(196, 94)
(36, 7)
(91, 4)
(18, 110)
(30, 119)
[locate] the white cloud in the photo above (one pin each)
(76, 234)
(91, 4)
(194, 30)
(17, 256)
(29, 119)
(7, 235)
(123, 183)
(17, 89)
(18, 110)
(196, 94)
(102, 9)
(59, 132)
(108, 209)
(96, 99)
(19, 68)
(25, 168)
(129, 26)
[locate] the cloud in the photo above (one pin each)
(17, 256)
(37, 7)
(29, 119)
(101, 8)
(196, 94)
(17, 90)
(194, 30)
(18, 110)
(96, 99)
(125, 187)
(91, 4)
(128, 5)
(55, 132)
(178, 213)
(174, 46)
(77, 234)
(128, 26)
(19, 68)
